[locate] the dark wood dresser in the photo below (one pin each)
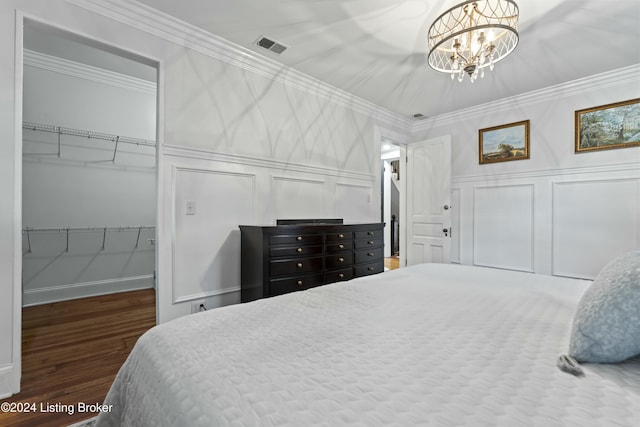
(286, 258)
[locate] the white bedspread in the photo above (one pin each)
(432, 345)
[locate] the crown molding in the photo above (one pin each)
(159, 24)
(600, 81)
(87, 72)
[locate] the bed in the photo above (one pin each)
(432, 345)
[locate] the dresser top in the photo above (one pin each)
(314, 226)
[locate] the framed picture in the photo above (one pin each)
(504, 143)
(608, 126)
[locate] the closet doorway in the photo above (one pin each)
(89, 190)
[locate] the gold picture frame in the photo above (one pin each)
(608, 126)
(504, 143)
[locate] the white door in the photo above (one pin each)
(428, 201)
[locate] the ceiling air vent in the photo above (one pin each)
(271, 45)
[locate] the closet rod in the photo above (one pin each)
(86, 134)
(67, 230)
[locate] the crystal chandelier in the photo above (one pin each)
(473, 35)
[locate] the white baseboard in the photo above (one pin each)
(82, 290)
(6, 381)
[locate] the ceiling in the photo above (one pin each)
(375, 49)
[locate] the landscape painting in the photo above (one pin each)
(504, 143)
(608, 126)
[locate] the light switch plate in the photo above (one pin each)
(190, 207)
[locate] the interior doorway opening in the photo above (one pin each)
(391, 201)
(88, 185)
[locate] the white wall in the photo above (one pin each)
(557, 213)
(226, 118)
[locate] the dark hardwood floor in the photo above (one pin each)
(71, 352)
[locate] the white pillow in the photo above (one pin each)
(606, 326)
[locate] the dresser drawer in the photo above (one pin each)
(368, 243)
(295, 239)
(368, 234)
(372, 268)
(339, 237)
(284, 286)
(340, 247)
(292, 267)
(369, 255)
(292, 251)
(338, 275)
(339, 260)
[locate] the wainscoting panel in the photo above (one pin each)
(352, 202)
(593, 221)
(298, 197)
(208, 206)
(503, 226)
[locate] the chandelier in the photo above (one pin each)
(473, 35)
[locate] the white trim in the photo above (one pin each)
(169, 28)
(7, 373)
(87, 72)
(54, 293)
(263, 162)
(192, 297)
(17, 219)
(622, 76)
(621, 167)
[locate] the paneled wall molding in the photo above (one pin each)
(262, 162)
(607, 210)
(598, 82)
(503, 226)
(181, 33)
(87, 72)
(633, 167)
(184, 280)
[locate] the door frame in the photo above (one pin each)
(384, 136)
(21, 17)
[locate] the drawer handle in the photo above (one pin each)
(341, 246)
(299, 265)
(370, 268)
(370, 233)
(299, 238)
(299, 250)
(370, 254)
(341, 275)
(370, 242)
(299, 282)
(341, 236)
(341, 259)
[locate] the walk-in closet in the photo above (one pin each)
(89, 168)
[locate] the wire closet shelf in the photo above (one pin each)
(27, 231)
(60, 130)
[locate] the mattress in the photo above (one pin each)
(427, 345)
